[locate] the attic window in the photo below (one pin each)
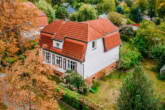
(58, 45)
(93, 45)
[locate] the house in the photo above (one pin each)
(42, 20)
(91, 48)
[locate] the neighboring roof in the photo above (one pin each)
(71, 48)
(70, 10)
(111, 41)
(42, 17)
(83, 31)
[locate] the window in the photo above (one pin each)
(53, 59)
(94, 45)
(72, 65)
(59, 61)
(48, 57)
(57, 45)
(64, 63)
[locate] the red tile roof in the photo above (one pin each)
(71, 48)
(76, 35)
(84, 31)
(112, 40)
(42, 18)
(74, 49)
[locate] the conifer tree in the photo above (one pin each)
(137, 92)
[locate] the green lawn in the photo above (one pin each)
(109, 89)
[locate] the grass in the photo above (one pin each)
(63, 107)
(109, 90)
(110, 85)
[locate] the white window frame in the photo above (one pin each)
(71, 65)
(94, 46)
(47, 57)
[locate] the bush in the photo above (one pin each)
(116, 18)
(75, 82)
(78, 101)
(156, 51)
(126, 32)
(129, 57)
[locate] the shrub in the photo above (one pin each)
(129, 57)
(137, 93)
(75, 82)
(79, 101)
(116, 18)
(126, 32)
(156, 51)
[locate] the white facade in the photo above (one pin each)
(97, 59)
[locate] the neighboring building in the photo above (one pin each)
(135, 26)
(42, 20)
(91, 48)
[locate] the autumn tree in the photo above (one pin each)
(14, 20)
(27, 84)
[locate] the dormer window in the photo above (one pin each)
(57, 44)
(93, 45)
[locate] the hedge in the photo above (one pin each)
(79, 101)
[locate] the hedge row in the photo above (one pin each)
(79, 101)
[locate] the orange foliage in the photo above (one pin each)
(27, 85)
(15, 19)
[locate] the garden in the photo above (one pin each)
(109, 86)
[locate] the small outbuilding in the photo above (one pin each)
(162, 71)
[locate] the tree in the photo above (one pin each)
(85, 12)
(151, 8)
(61, 13)
(46, 8)
(129, 3)
(116, 18)
(137, 92)
(142, 4)
(15, 19)
(136, 15)
(27, 84)
(119, 9)
(149, 34)
(106, 6)
(161, 8)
